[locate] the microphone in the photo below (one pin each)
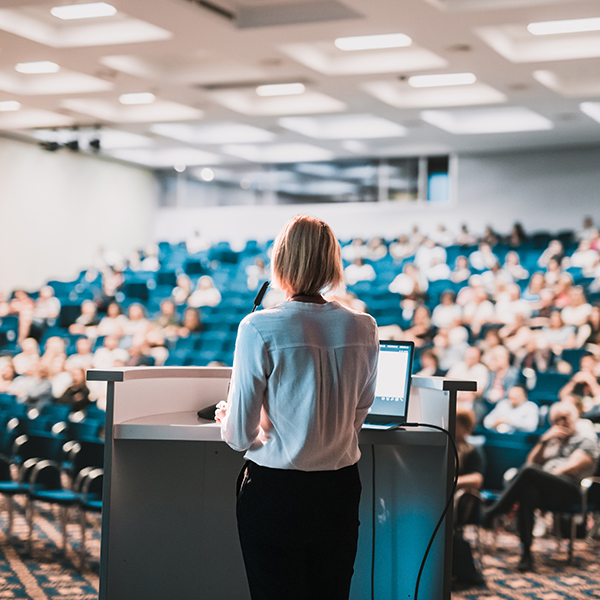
(260, 295)
(208, 413)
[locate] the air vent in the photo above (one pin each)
(247, 14)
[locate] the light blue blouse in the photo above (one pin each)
(311, 368)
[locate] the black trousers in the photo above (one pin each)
(298, 531)
(533, 488)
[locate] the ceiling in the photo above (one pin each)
(203, 60)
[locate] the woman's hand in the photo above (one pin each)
(220, 411)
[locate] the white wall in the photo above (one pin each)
(545, 190)
(57, 209)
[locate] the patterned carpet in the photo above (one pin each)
(46, 573)
(553, 579)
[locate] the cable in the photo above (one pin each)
(373, 521)
(441, 519)
(448, 502)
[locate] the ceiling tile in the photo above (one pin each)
(113, 111)
(33, 117)
(487, 120)
(340, 127)
(517, 45)
(247, 102)
(571, 83)
(167, 157)
(401, 95)
(278, 153)
(62, 82)
(325, 58)
(38, 25)
(213, 133)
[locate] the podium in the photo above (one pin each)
(168, 523)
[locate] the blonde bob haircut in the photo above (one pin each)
(306, 257)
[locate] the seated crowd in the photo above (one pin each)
(499, 311)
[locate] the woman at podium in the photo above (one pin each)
(303, 379)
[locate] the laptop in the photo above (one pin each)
(392, 391)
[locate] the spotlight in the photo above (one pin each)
(95, 145)
(73, 146)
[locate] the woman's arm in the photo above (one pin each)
(240, 427)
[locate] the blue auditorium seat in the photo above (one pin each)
(547, 386)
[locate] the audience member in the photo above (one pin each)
(449, 344)
(167, 322)
(556, 335)
(555, 250)
(28, 357)
(137, 324)
(461, 270)
(87, 321)
(45, 312)
(517, 236)
(205, 294)
(191, 323)
(513, 266)
(150, 262)
(470, 368)
(479, 311)
(502, 377)
(183, 290)
(375, 249)
(430, 366)
(586, 230)
(83, 356)
(113, 323)
(578, 310)
(421, 331)
(483, 258)
(588, 334)
(7, 377)
(401, 248)
(464, 238)
(357, 271)
(355, 249)
(447, 311)
(550, 477)
(586, 384)
(140, 354)
(257, 273)
(489, 236)
(77, 395)
(515, 413)
(442, 237)
(110, 355)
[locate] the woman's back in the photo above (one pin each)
(313, 366)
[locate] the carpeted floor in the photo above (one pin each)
(46, 573)
(553, 579)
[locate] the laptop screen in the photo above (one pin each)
(393, 382)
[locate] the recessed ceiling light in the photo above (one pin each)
(421, 81)
(564, 26)
(137, 98)
(207, 174)
(9, 105)
(373, 42)
(280, 89)
(83, 11)
(591, 109)
(37, 67)
(180, 168)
